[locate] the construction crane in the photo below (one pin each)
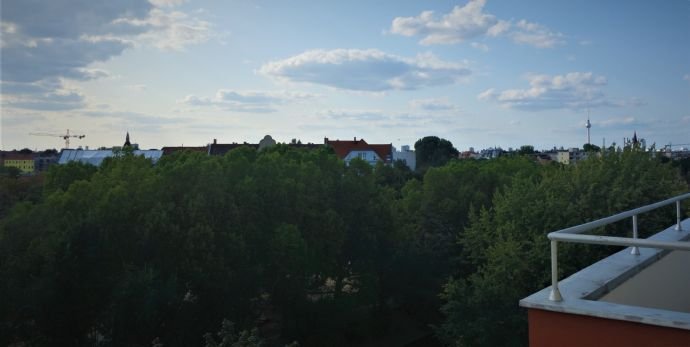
(65, 136)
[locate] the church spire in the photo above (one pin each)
(127, 143)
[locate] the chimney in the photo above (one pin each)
(355, 138)
(215, 141)
(325, 140)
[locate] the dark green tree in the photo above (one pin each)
(588, 147)
(432, 151)
(526, 150)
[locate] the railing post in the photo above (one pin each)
(635, 250)
(555, 294)
(678, 226)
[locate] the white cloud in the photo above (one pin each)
(171, 30)
(246, 101)
(434, 104)
(461, 24)
(535, 35)
(45, 43)
(468, 22)
(365, 70)
(575, 90)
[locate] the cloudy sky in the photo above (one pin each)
(479, 73)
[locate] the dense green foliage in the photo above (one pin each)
(432, 151)
(506, 255)
(294, 245)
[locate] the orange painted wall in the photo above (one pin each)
(548, 329)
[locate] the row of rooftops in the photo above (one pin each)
(342, 149)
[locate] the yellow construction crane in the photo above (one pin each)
(65, 136)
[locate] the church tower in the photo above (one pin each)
(127, 143)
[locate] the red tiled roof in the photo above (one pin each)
(343, 148)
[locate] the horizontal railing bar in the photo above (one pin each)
(616, 217)
(620, 241)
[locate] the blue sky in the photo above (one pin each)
(479, 73)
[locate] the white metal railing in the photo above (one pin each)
(574, 234)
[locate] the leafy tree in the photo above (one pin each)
(62, 176)
(505, 250)
(15, 189)
(295, 243)
(588, 147)
(526, 150)
(432, 151)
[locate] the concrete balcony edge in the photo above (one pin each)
(581, 290)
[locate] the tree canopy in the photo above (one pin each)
(432, 151)
(291, 244)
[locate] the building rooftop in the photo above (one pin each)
(96, 157)
(611, 288)
(343, 147)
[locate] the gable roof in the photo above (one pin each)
(343, 148)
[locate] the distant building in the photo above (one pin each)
(571, 156)
(491, 153)
(173, 149)
(469, 154)
(408, 156)
(371, 153)
(266, 142)
(44, 160)
(22, 161)
(96, 157)
(127, 144)
(216, 148)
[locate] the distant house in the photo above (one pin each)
(469, 154)
(221, 148)
(491, 153)
(371, 153)
(22, 161)
(571, 156)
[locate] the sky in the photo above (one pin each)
(478, 73)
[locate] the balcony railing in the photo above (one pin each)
(575, 235)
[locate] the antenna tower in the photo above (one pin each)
(588, 125)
